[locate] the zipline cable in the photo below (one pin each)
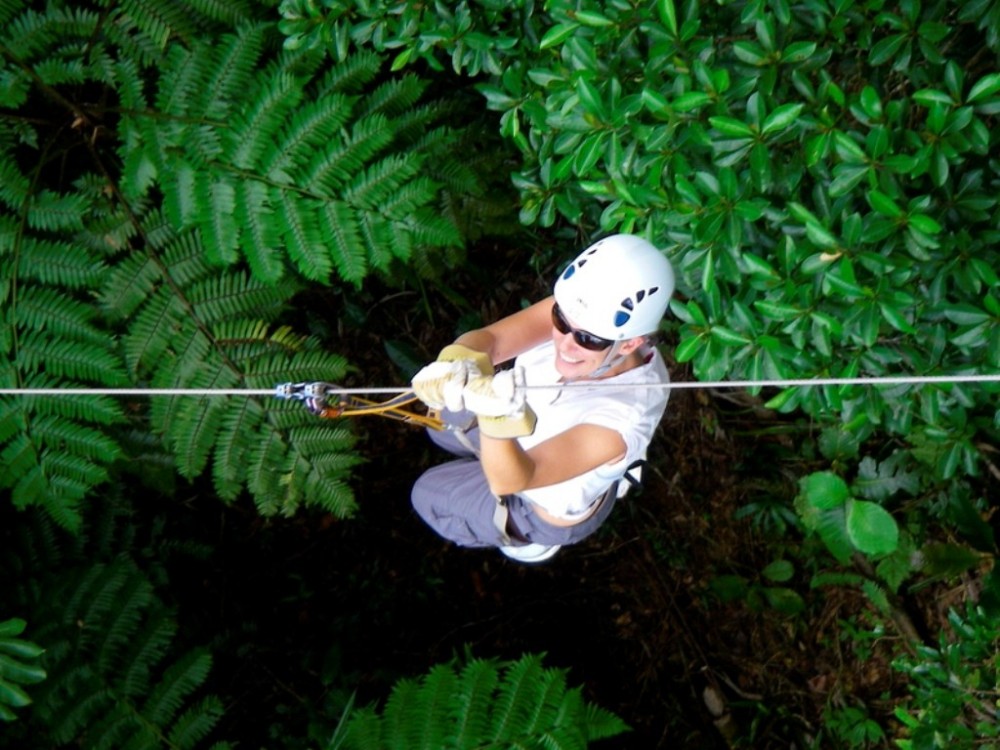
(884, 380)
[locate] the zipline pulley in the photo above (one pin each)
(329, 401)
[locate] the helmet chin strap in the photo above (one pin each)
(611, 359)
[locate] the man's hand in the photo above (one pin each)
(440, 384)
(499, 402)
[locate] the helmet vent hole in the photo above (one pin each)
(627, 303)
(654, 290)
(639, 295)
(621, 318)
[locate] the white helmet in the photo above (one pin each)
(617, 288)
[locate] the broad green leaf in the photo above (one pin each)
(687, 348)
(731, 127)
(871, 527)
(779, 571)
(592, 18)
(825, 490)
(781, 118)
(883, 204)
(558, 34)
(986, 86)
(784, 600)
(927, 97)
(691, 100)
(668, 15)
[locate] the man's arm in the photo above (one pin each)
(509, 468)
(515, 334)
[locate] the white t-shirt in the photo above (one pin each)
(632, 412)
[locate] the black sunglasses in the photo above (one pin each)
(586, 340)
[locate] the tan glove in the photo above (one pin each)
(440, 384)
(500, 405)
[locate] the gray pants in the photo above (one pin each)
(455, 500)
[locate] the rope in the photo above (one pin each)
(683, 385)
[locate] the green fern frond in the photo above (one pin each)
(59, 264)
(74, 360)
(234, 64)
(128, 285)
(8, 9)
(254, 132)
(178, 682)
(310, 129)
(146, 647)
(46, 308)
(236, 295)
(478, 682)
(350, 75)
(160, 19)
(230, 12)
(342, 233)
(394, 97)
(371, 187)
(236, 434)
(14, 188)
(112, 680)
(50, 211)
(32, 32)
(300, 231)
(80, 440)
(335, 166)
(192, 726)
(259, 236)
(486, 704)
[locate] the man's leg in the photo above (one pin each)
(455, 500)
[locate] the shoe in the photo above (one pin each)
(531, 553)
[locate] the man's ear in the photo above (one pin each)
(630, 345)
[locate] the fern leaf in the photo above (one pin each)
(234, 295)
(193, 432)
(301, 232)
(216, 200)
(311, 128)
(518, 693)
(473, 702)
(394, 97)
(179, 681)
(152, 332)
(230, 12)
(235, 62)
(130, 284)
(351, 74)
(59, 264)
(379, 240)
(77, 439)
(483, 706)
(239, 424)
(259, 238)
(343, 159)
(193, 725)
(14, 186)
(254, 131)
(53, 212)
(146, 649)
(46, 308)
(341, 229)
(264, 468)
(160, 19)
(370, 189)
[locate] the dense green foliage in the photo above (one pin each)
(518, 705)
(173, 175)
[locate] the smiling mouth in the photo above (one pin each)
(569, 361)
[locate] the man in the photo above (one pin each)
(543, 467)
